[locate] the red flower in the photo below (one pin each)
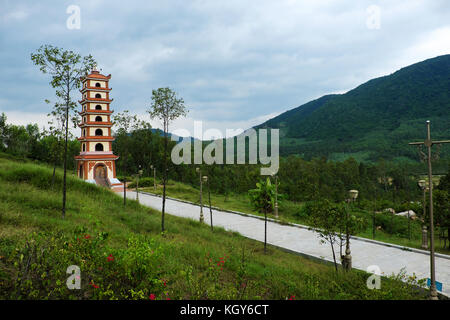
(292, 298)
(152, 296)
(94, 285)
(110, 257)
(87, 236)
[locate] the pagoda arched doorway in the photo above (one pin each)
(100, 171)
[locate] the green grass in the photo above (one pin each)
(290, 211)
(37, 245)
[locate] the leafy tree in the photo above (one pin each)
(263, 199)
(66, 69)
(327, 218)
(331, 221)
(167, 107)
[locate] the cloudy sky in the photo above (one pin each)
(235, 63)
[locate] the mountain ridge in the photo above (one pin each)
(375, 119)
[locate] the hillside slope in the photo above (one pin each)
(122, 254)
(376, 119)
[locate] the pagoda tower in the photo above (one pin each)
(96, 162)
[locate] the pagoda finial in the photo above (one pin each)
(94, 68)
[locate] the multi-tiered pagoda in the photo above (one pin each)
(96, 162)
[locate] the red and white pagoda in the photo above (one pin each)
(96, 162)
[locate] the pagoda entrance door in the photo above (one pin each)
(100, 175)
(100, 171)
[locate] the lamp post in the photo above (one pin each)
(199, 171)
(423, 185)
(429, 143)
(205, 179)
(347, 261)
(154, 176)
(140, 171)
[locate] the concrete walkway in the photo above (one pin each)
(390, 259)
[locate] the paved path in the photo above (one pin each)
(389, 259)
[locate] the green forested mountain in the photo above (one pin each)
(376, 119)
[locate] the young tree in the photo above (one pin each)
(167, 107)
(66, 69)
(327, 218)
(263, 199)
(331, 222)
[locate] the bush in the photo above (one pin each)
(392, 224)
(143, 182)
(106, 273)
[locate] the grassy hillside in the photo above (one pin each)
(123, 255)
(376, 119)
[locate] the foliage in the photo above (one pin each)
(331, 222)
(442, 211)
(263, 197)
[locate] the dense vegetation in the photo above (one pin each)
(376, 119)
(123, 255)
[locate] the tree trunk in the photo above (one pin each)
(65, 154)
(54, 172)
(210, 209)
(124, 190)
(265, 230)
(164, 178)
(334, 256)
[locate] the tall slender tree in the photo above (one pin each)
(167, 107)
(66, 69)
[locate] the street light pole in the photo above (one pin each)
(205, 178)
(347, 261)
(429, 143)
(201, 191)
(137, 183)
(423, 185)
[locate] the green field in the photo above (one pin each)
(123, 255)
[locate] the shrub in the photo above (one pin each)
(106, 273)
